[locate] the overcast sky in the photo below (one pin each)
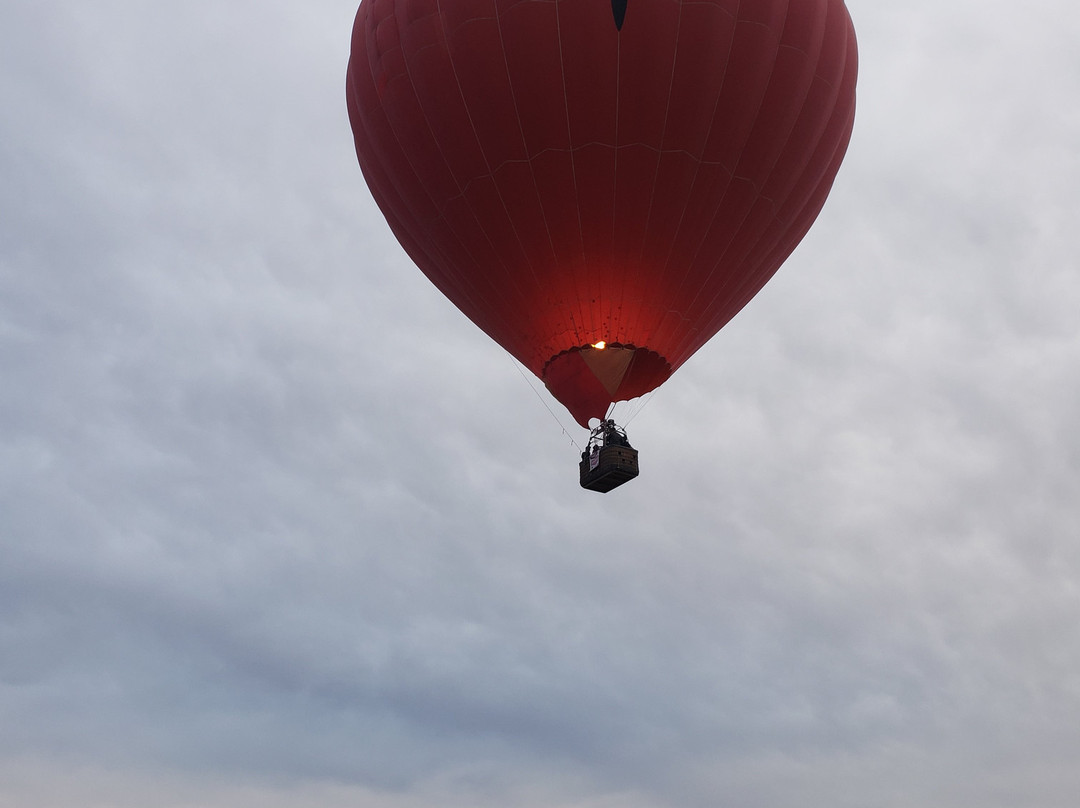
(280, 528)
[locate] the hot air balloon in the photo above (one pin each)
(601, 185)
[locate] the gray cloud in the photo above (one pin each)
(279, 527)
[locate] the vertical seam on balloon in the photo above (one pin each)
(735, 283)
(392, 216)
(734, 176)
(738, 291)
(611, 269)
(667, 266)
(815, 200)
(507, 326)
(528, 160)
(579, 324)
(461, 281)
(380, 181)
(487, 165)
(732, 287)
(659, 160)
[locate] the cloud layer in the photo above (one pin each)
(279, 527)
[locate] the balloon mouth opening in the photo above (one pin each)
(587, 379)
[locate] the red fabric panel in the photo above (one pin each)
(565, 182)
(572, 382)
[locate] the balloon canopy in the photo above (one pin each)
(601, 185)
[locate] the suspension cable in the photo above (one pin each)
(536, 392)
(642, 406)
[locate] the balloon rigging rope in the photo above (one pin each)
(632, 410)
(528, 381)
(644, 404)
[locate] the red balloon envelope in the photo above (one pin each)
(578, 172)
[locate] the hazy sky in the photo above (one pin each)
(280, 528)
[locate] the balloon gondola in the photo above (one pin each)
(601, 185)
(608, 460)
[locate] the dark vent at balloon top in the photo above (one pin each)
(618, 8)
